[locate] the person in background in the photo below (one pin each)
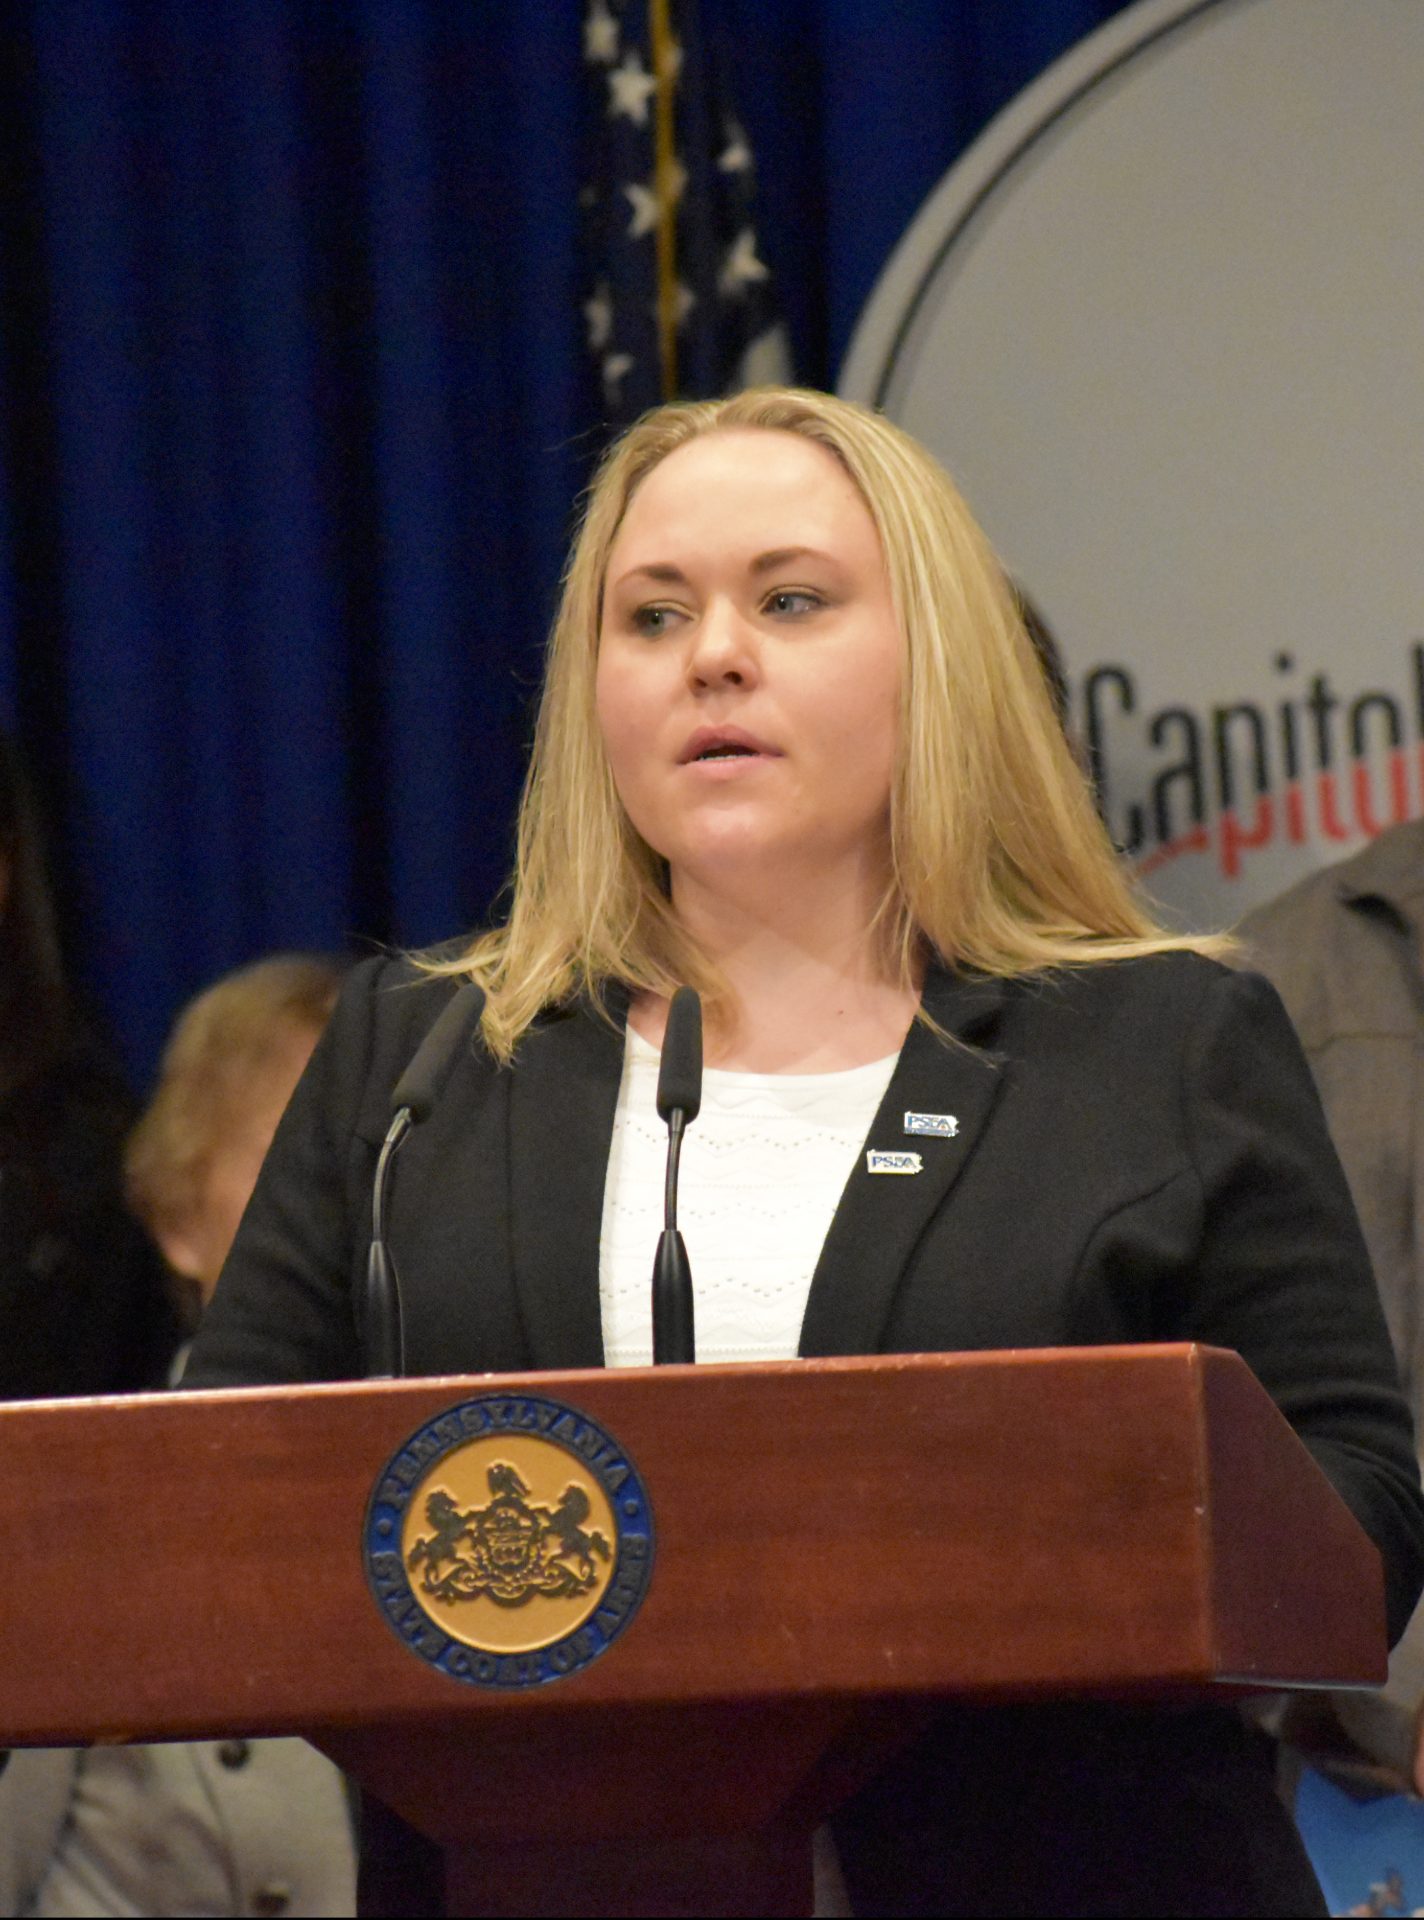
(1050, 656)
(1345, 950)
(196, 1827)
(227, 1074)
(85, 1306)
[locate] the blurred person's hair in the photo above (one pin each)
(1050, 654)
(34, 1002)
(1000, 864)
(225, 1040)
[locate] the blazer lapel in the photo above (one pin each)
(563, 1093)
(880, 1217)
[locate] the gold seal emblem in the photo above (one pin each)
(509, 1541)
(507, 1544)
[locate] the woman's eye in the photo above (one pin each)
(653, 621)
(793, 600)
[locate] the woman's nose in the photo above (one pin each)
(723, 651)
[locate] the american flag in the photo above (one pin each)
(679, 301)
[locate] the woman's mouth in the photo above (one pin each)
(722, 746)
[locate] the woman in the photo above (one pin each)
(227, 1073)
(84, 1304)
(210, 1826)
(795, 750)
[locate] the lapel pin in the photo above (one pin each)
(878, 1162)
(943, 1124)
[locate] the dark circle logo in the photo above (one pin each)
(509, 1541)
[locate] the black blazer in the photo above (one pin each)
(1140, 1156)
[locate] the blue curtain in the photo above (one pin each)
(294, 407)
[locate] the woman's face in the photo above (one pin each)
(749, 662)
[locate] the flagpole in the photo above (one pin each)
(665, 179)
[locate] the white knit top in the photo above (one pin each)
(763, 1167)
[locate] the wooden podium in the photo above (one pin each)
(839, 1545)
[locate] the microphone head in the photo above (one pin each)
(680, 1075)
(423, 1081)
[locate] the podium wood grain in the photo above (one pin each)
(839, 1544)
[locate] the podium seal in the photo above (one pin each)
(509, 1541)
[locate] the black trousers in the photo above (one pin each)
(1078, 1810)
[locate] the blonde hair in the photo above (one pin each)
(999, 862)
(224, 1040)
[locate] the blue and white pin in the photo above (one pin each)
(940, 1126)
(878, 1161)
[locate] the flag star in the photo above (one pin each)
(598, 311)
(736, 156)
(647, 201)
(615, 366)
(600, 35)
(628, 89)
(684, 300)
(741, 268)
(645, 209)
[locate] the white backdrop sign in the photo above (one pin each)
(1165, 325)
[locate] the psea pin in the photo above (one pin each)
(879, 1162)
(945, 1125)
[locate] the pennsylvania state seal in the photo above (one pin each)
(509, 1542)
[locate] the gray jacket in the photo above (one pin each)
(1345, 949)
(196, 1827)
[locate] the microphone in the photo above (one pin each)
(415, 1096)
(679, 1097)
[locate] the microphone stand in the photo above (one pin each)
(674, 1337)
(384, 1327)
(416, 1092)
(679, 1098)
